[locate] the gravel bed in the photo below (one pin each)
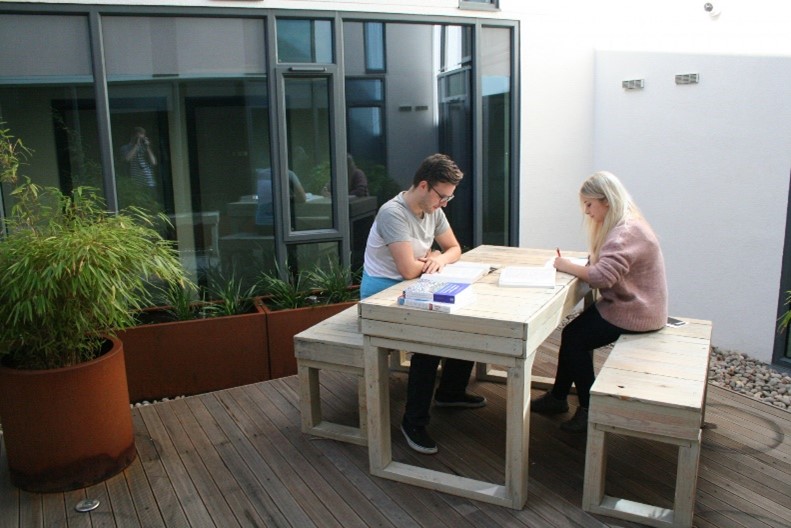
(147, 402)
(734, 371)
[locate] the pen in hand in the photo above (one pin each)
(557, 250)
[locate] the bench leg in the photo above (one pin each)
(595, 468)
(362, 407)
(309, 397)
(398, 361)
(686, 483)
(310, 404)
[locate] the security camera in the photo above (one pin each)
(711, 9)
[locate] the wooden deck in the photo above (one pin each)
(238, 458)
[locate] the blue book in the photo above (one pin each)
(452, 293)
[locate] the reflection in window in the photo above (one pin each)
(365, 120)
(307, 257)
(304, 40)
(190, 147)
(49, 103)
(308, 132)
(375, 47)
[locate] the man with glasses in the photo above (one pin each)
(399, 247)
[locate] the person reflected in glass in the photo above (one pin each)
(264, 214)
(399, 247)
(627, 268)
(140, 159)
(358, 182)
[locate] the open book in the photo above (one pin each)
(528, 276)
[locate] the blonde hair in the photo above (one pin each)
(606, 187)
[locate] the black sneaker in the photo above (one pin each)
(418, 439)
(548, 404)
(466, 400)
(578, 424)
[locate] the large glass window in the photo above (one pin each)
(190, 122)
(185, 124)
(47, 99)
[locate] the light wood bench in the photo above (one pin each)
(652, 386)
(334, 344)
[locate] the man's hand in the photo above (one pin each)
(431, 262)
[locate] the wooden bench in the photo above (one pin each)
(334, 344)
(652, 386)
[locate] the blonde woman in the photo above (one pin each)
(627, 267)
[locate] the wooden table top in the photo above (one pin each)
(511, 314)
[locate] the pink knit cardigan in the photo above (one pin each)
(630, 276)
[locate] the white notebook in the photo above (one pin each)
(528, 276)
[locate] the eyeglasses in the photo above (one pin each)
(442, 198)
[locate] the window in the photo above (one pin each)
(47, 99)
(375, 47)
(496, 131)
(223, 146)
(202, 106)
(306, 41)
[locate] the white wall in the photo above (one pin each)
(709, 166)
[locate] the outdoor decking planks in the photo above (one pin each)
(238, 458)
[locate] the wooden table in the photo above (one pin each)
(504, 326)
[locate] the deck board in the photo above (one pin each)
(238, 458)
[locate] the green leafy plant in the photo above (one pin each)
(234, 298)
(73, 273)
(333, 282)
(785, 319)
(180, 301)
(281, 294)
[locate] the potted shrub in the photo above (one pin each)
(299, 302)
(73, 274)
(193, 346)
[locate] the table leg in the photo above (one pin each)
(377, 377)
(517, 438)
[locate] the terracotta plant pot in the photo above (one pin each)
(283, 325)
(67, 428)
(196, 356)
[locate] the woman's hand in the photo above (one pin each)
(566, 266)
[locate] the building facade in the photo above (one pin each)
(243, 125)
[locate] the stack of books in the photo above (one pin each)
(437, 296)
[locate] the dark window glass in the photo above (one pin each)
(309, 153)
(304, 41)
(195, 146)
(47, 99)
(362, 91)
(496, 87)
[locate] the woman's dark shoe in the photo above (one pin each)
(548, 404)
(578, 424)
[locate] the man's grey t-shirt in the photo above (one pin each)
(395, 222)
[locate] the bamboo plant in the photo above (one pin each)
(73, 273)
